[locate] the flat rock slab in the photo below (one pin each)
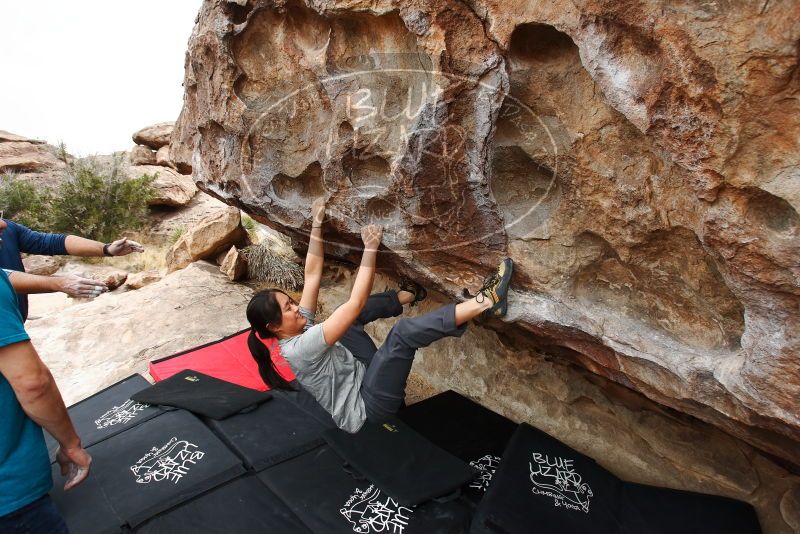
(93, 345)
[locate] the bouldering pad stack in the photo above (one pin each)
(205, 454)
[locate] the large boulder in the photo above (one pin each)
(172, 189)
(639, 164)
(91, 345)
(154, 136)
(142, 155)
(41, 265)
(207, 238)
(142, 279)
(162, 156)
(164, 223)
(234, 264)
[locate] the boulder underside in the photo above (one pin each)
(638, 161)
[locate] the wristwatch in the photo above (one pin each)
(105, 250)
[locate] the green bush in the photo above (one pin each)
(92, 201)
(248, 223)
(99, 204)
(21, 201)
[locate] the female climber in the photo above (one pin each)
(336, 360)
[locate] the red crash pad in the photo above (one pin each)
(227, 359)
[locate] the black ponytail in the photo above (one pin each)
(262, 310)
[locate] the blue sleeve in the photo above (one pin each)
(34, 242)
(11, 329)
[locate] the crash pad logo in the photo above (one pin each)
(368, 511)
(486, 467)
(556, 477)
(169, 462)
(120, 415)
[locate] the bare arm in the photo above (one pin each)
(38, 394)
(71, 284)
(315, 258)
(28, 284)
(343, 317)
(78, 246)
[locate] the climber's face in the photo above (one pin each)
(292, 321)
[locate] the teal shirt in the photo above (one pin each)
(24, 463)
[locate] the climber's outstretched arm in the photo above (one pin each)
(315, 258)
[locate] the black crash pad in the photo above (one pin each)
(307, 403)
(651, 510)
(244, 505)
(466, 430)
(84, 507)
(328, 499)
(107, 413)
(148, 469)
(400, 461)
(542, 482)
(202, 394)
(273, 432)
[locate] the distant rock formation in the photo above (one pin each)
(30, 159)
(151, 156)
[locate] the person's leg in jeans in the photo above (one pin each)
(384, 384)
(38, 517)
(378, 306)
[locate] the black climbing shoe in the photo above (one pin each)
(495, 288)
(406, 284)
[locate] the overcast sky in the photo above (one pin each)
(92, 72)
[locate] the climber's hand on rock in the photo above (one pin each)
(371, 236)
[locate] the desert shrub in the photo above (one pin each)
(265, 265)
(93, 201)
(175, 235)
(22, 202)
(251, 227)
(100, 203)
(248, 223)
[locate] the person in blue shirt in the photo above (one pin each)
(19, 238)
(30, 401)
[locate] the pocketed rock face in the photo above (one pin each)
(639, 161)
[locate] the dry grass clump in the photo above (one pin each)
(266, 265)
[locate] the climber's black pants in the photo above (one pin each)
(384, 384)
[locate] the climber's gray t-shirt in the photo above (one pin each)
(329, 372)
